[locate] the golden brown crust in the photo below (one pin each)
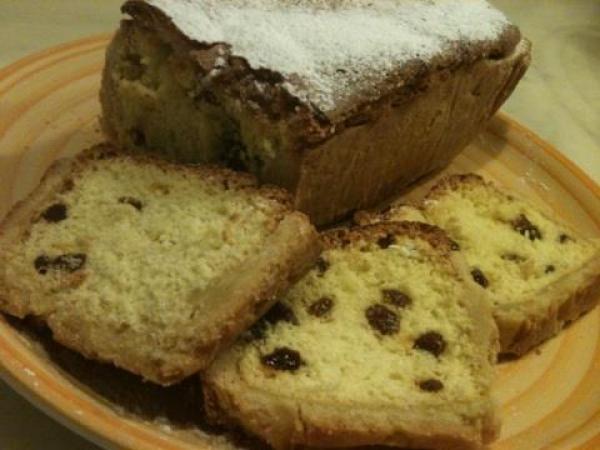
(249, 290)
(15, 225)
(230, 179)
(458, 181)
(395, 212)
(435, 236)
(287, 422)
(560, 303)
(287, 425)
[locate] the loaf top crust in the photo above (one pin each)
(335, 55)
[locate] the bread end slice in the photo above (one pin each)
(149, 265)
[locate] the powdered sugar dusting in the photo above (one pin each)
(333, 48)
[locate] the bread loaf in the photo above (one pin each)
(341, 102)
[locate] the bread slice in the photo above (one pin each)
(539, 273)
(386, 340)
(151, 266)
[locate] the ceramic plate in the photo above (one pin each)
(49, 108)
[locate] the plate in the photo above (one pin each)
(49, 108)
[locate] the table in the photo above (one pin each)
(559, 98)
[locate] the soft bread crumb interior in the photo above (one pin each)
(141, 262)
(160, 90)
(481, 219)
(347, 362)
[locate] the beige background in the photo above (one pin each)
(559, 99)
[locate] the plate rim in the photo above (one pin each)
(15, 357)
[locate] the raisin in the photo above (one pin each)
(479, 277)
(431, 385)
(322, 265)
(257, 331)
(55, 213)
(526, 228)
(68, 185)
(549, 268)
(385, 241)
(564, 238)
(137, 204)
(396, 298)
(357, 120)
(42, 264)
(432, 342)
(320, 307)
(513, 257)
(283, 358)
(454, 246)
(69, 262)
(382, 319)
(137, 136)
(280, 313)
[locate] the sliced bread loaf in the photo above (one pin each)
(539, 273)
(385, 341)
(148, 265)
(289, 90)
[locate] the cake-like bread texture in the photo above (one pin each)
(539, 273)
(149, 265)
(386, 341)
(340, 102)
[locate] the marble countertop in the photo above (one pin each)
(559, 99)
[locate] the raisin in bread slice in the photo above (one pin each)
(387, 340)
(149, 265)
(540, 274)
